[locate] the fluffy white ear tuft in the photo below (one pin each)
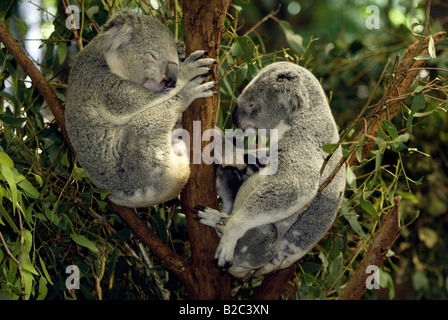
(117, 36)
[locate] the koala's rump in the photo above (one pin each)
(135, 162)
(154, 172)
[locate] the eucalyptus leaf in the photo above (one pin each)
(245, 47)
(159, 227)
(431, 48)
(11, 120)
(368, 207)
(329, 148)
(6, 160)
(79, 174)
(390, 128)
(28, 241)
(102, 192)
(408, 196)
(27, 264)
(8, 219)
(93, 10)
(9, 177)
(10, 98)
(62, 51)
(21, 26)
(352, 219)
(44, 269)
(351, 178)
(422, 57)
(84, 242)
(29, 189)
(28, 280)
(294, 40)
(43, 290)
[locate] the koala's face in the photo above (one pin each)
(144, 51)
(269, 98)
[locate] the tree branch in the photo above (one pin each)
(402, 85)
(204, 25)
(37, 78)
(167, 257)
(375, 255)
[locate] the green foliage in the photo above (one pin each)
(51, 216)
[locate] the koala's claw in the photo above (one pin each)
(224, 268)
(195, 65)
(224, 254)
(199, 207)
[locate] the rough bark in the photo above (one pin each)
(376, 253)
(204, 24)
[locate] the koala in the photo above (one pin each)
(277, 218)
(126, 93)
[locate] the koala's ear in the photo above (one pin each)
(118, 35)
(120, 29)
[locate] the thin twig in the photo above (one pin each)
(66, 4)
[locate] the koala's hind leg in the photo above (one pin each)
(254, 250)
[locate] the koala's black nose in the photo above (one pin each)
(171, 75)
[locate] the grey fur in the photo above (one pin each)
(126, 92)
(262, 232)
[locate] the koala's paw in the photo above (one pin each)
(194, 67)
(225, 251)
(195, 89)
(210, 217)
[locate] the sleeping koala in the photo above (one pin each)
(127, 90)
(264, 230)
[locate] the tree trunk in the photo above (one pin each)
(204, 25)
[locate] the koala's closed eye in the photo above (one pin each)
(285, 76)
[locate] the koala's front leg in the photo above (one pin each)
(231, 232)
(227, 228)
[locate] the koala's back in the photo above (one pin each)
(123, 145)
(91, 135)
